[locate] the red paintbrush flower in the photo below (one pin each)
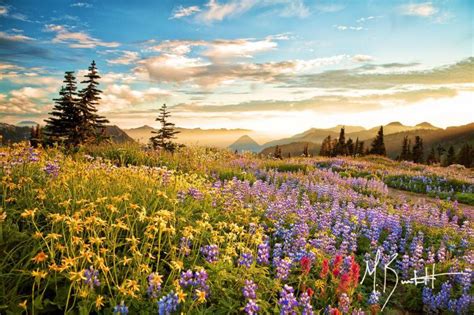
(336, 265)
(344, 283)
(305, 265)
(310, 291)
(325, 269)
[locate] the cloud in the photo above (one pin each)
(81, 5)
(181, 11)
(26, 100)
(425, 9)
(14, 37)
(122, 96)
(76, 39)
(126, 58)
(362, 58)
(329, 7)
(350, 28)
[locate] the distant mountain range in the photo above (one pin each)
(245, 143)
(204, 137)
(21, 132)
(393, 136)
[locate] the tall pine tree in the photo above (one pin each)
(431, 159)
(167, 132)
(91, 124)
(405, 155)
(451, 157)
(378, 145)
(61, 126)
(340, 148)
(466, 155)
(418, 153)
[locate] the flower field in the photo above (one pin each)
(122, 230)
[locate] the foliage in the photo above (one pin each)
(167, 132)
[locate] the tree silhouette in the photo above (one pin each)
(62, 125)
(91, 125)
(167, 132)
(418, 153)
(466, 155)
(378, 145)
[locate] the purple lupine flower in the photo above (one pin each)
(374, 298)
(187, 279)
(52, 169)
(249, 290)
(200, 280)
(168, 304)
(210, 253)
(287, 301)
(92, 277)
(251, 307)
(263, 253)
(246, 259)
(283, 268)
(154, 285)
(305, 304)
(121, 309)
(195, 194)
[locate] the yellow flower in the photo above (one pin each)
(3, 215)
(177, 265)
(76, 276)
(182, 296)
(99, 302)
(23, 304)
(156, 280)
(40, 257)
(29, 213)
(126, 260)
(320, 284)
(201, 296)
(39, 274)
(38, 235)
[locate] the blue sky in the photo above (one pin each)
(272, 65)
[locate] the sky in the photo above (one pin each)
(274, 66)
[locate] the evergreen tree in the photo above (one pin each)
(61, 126)
(356, 146)
(167, 132)
(359, 148)
(451, 157)
(431, 159)
(418, 153)
(378, 145)
(326, 147)
(91, 125)
(277, 153)
(465, 155)
(350, 147)
(405, 155)
(305, 150)
(340, 148)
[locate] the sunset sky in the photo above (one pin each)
(278, 66)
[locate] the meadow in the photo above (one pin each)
(119, 229)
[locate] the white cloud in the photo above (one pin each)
(76, 39)
(23, 101)
(330, 8)
(81, 5)
(425, 9)
(15, 37)
(181, 11)
(217, 12)
(362, 58)
(126, 58)
(346, 28)
(122, 96)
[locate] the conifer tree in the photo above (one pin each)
(91, 124)
(305, 150)
(326, 147)
(277, 153)
(36, 136)
(440, 150)
(431, 159)
(405, 155)
(340, 148)
(350, 147)
(378, 145)
(356, 146)
(466, 155)
(61, 126)
(418, 153)
(167, 132)
(361, 151)
(451, 157)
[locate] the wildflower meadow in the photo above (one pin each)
(122, 230)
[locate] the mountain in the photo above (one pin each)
(11, 133)
(221, 138)
(294, 148)
(117, 135)
(394, 133)
(455, 136)
(27, 123)
(347, 129)
(245, 143)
